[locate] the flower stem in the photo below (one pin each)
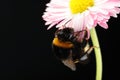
(97, 54)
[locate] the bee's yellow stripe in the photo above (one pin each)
(62, 44)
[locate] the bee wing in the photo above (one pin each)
(69, 63)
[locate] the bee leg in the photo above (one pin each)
(87, 53)
(85, 57)
(90, 49)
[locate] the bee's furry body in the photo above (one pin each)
(71, 47)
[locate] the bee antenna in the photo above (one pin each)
(64, 26)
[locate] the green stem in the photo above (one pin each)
(97, 54)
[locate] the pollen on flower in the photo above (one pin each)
(78, 6)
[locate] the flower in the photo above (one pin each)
(80, 14)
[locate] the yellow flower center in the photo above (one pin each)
(78, 6)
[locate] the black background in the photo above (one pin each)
(25, 46)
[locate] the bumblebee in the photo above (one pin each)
(71, 47)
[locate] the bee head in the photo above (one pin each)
(66, 34)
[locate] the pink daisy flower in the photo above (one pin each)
(81, 14)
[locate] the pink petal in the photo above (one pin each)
(103, 24)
